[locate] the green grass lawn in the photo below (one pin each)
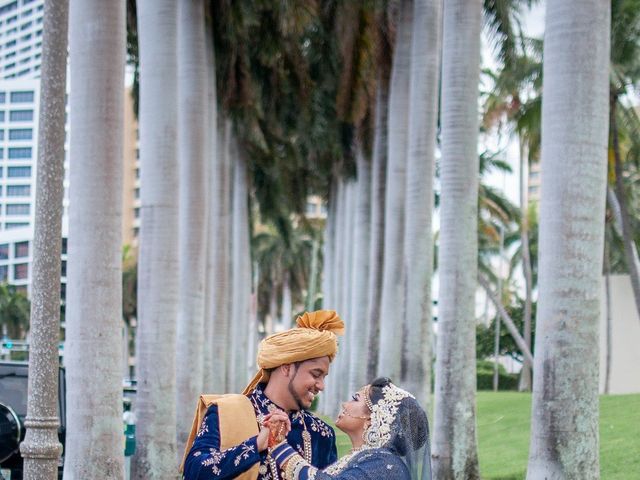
(503, 436)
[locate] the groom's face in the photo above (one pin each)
(306, 380)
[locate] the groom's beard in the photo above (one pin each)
(294, 394)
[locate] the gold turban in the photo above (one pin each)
(315, 336)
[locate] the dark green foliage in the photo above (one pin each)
(485, 335)
(484, 376)
(15, 310)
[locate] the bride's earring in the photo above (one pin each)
(365, 432)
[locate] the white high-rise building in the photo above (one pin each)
(21, 24)
(20, 38)
(21, 33)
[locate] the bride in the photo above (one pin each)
(389, 432)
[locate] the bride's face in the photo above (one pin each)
(354, 414)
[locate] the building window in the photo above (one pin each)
(21, 115)
(22, 97)
(1, 152)
(4, 251)
(25, 38)
(18, 209)
(20, 134)
(136, 192)
(1, 134)
(10, 44)
(24, 26)
(18, 190)
(10, 65)
(2, 116)
(63, 268)
(9, 7)
(64, 246)
(18, 172)
(22, 152)
(10, 225)
(3, 97)
(21, 271)
(4, 273)
(21, 249)
(136, 212)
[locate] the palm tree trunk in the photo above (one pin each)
(425, 77)
(392, 333)
(41, 449)
(506, 319)
(241, 282)
(454, 442)
(94, 299)
(331, 392)
(564, 430)
(219, 229)
(287, 307)
(359, 327)
(155, 456)
(630, 249)
(193, 162)
(313, 275)
(209, 371)
(376, 250)
(607, 284)
(342, 367)
(525, 375)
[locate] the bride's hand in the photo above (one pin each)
(279, 426)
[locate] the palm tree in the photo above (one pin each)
(425, 76)
(41, 449)
(454, 441)
(564, 433)
(94, 298)
(193, 167)
(158, 256)
(393, 284)
(625, 71)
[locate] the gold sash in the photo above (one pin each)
(237, 420)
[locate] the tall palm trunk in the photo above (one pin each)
(313, 275)
(41, 449)
(94, 300)
(331, 397)
(155, 456)
(425, 77)
(609, 326)
(359, 327)
(454, 441)
(241, 282)
(564, 429)
(342, 367)
(392, 333)
(219, 235)
(193, 163)
(525, 374)
(213, 180)
(287, 307)
(376, 249)
(328, 275)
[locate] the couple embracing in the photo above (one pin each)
(267, 433)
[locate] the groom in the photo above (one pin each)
(228, 439)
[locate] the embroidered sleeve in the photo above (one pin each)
(381, 465)
(206, 461)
